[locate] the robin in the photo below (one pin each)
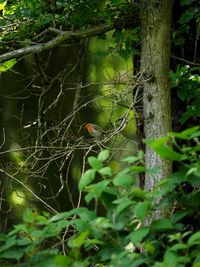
(94, 130)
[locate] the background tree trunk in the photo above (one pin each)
(155, 61)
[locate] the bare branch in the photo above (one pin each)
(185, 60)
(62, 37)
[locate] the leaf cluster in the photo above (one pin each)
(120, 236)
(186, 80)
(23, 20)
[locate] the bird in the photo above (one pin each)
(94, 129)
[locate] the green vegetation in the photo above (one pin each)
(130, 197)
(83, 237)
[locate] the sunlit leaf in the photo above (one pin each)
(123, 180)
(105, 171)
(86, 179)
(2, 5)
(95, 163)
(103, 155)
(96, 190)
(7, 65)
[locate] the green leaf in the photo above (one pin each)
(15, 254)
(7, 65)
(170, 258)
(123, 205)
(141, 210)
(103, 155)
(86, 179)
(132, 159)
(137, 169)
(82, 212)
(138, 193)
(53, 229)
(105, 171)
(177, 216)
(96, 190)
(95, 163)
(138, 235)
(186, 134)
(180, 246)
(164, 150)
(60, 216)
(194, 239)
(10, 242)
(79, 240)
(62, 261)
(123, 180)
(162, 225)
(102, 223)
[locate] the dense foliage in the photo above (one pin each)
(111, 229)
(82, 237)
(22, 21)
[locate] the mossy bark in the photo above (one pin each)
(155, 65)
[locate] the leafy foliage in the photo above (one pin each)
(189, 18)
(120, 236)
(24, 19)
(186, 80)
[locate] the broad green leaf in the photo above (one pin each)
(102, 223)
(164, 150)
(141, 210)
(132, 159)
(170, 258)
(60, 216)
(123, 205)
(62, 261)
(138, 235)
(10, 242)
(17, 229)
(96, 190)
(95, 163)
(103, 155)
(81, 212)
(177, 216)
(123, 180)
(186, 134)
(86, 179)
(194, 239)
(137, 169)
(53, 229)
(23, 242)
(105, 171)
(15, 254)
(162, 225)
(180, 246)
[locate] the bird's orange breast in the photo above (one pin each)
(89, 128)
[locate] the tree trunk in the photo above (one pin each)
(155, 61)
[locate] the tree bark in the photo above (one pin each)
(155, 65)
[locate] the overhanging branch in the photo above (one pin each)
(63, 36)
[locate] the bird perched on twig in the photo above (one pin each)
(94, 130)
